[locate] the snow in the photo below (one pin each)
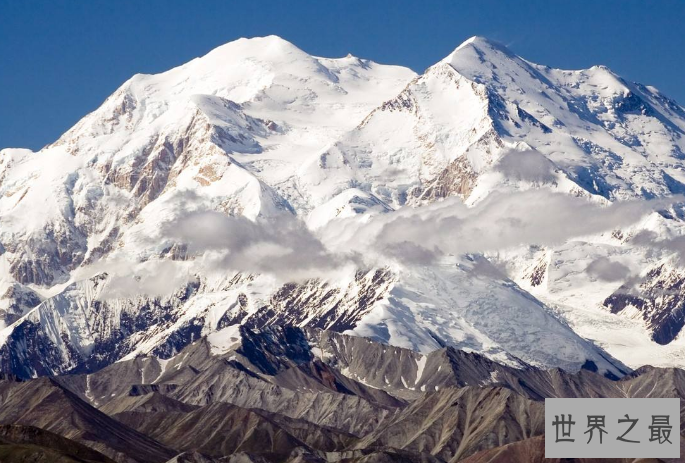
(348, 204)
(420, 366)
(577, 297)
(162, 364)
(471, 312)
(89, 392)
(224, 340)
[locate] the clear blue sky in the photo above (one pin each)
(59, 59)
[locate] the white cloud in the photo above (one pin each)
(499, 222)
(530, 166)
(283, 247)
(606, 269)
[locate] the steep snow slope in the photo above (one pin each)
(484, 120)
(174, 209)
(207, 126)
(623, 289)
(451, 129)
(611, 137)
(426, 309)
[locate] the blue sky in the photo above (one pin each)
(59, 59)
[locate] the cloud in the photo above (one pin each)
(651, 240)
(281, 246)
(530, 166)
(607, 270)
(499, 222)
(154, 278)
(127, 277)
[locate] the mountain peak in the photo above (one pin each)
(481, 45)
(273, 41)
(480, 59)
(480, 41)
(270, 47)
(266, 40)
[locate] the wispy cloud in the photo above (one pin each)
(282, 246)
(500, 222)
(606, 269)
(529, 166)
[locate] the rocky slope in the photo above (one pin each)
(295, 395)
(46, 405)
(19, 444)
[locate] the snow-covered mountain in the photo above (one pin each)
(259, 185)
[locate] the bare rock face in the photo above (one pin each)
(89, 333)
(458, 179)
(338, 309)
(48, 256)
(659, 300)
(16, 301)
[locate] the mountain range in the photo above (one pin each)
(528, 221)
(301, 395)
